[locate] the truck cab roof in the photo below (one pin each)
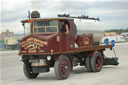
(56, 18)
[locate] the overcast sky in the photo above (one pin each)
(113, 13)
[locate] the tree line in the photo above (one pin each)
(118, 31)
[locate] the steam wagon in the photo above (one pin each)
(62, 43)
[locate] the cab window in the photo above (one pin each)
(45, 26)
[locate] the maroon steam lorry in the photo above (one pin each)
(62, 43)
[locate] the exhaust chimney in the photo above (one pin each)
(35, 14)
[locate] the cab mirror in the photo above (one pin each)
(24, 27)
(23, 24)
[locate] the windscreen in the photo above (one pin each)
(27, 28)
(45, 26)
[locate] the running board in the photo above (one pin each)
(110, 61)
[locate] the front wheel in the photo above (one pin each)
(28, 71)
(62, 67)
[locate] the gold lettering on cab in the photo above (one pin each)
(32, 44)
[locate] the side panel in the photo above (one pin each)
(37, 44)
(54, 44)
(64, 42)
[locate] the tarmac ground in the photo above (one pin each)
(12, 72)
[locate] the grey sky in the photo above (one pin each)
(113, 13)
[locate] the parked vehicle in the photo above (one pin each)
(56, 42)
(125, 35)
(117, 39)
(11, 43)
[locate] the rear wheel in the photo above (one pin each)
(28, 71)
(87, 63)
(96, 62)
(62, 67)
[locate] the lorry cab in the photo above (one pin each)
(52, 35)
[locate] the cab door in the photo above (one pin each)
(66, 40)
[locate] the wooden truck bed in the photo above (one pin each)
(91, 48)
(75, 50)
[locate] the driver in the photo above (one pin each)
(65, 27)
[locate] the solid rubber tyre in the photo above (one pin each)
(62, 67)
(28, 71)
(96, 62)
(87, 63)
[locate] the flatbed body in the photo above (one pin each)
(75, 50)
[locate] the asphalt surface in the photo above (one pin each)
(12, 72)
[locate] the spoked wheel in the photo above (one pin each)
(62, 67)
(28, 71)
(96, 62)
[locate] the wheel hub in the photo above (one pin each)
(98, 62)
(64, 67)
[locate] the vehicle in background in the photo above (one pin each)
(11, 43)
(117, 39)
(125, 35)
